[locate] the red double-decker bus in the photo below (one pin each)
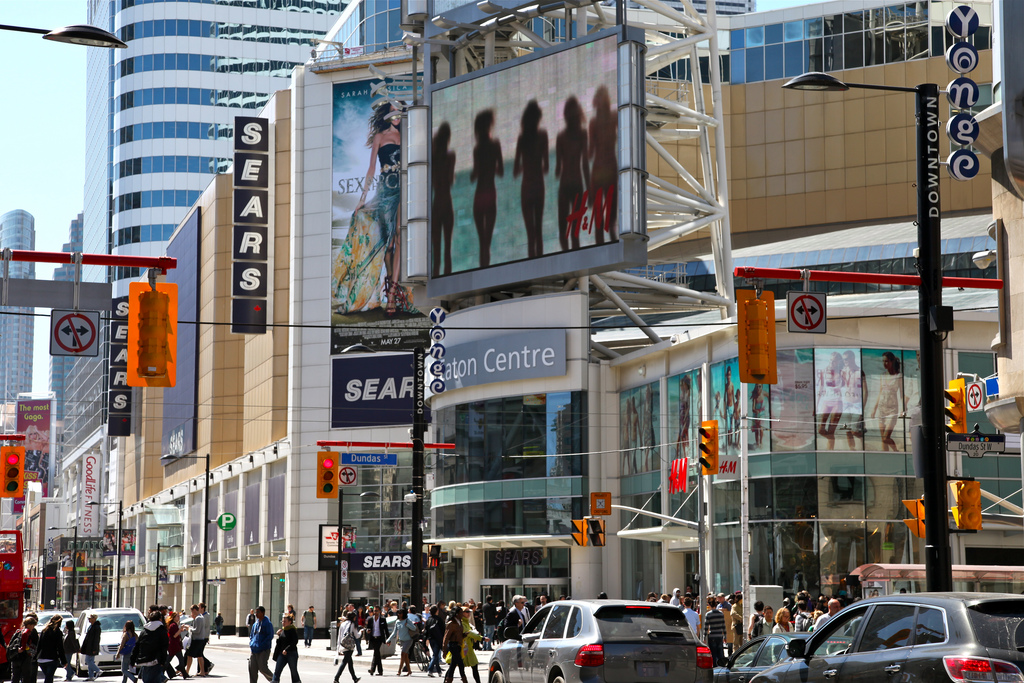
(12, 583)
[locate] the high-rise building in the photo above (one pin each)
(159, 113)
(60, 366)
(17, 231)
(725, 7)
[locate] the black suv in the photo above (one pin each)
(928, 637)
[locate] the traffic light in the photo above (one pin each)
(916, 525)
(152, 334)
(967, 511)
(956, 411)
(579, 531)
(14, 471)
(595, 532)
(755, 323)
(433, 557)
(327, 476)
(709, 447)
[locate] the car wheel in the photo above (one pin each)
(558, 679)
(497, 676)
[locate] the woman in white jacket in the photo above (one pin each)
(348, 634)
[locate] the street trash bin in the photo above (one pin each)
(334, 635)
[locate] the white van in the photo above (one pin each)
(112, 621)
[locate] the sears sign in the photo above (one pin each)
(372, 390)
(362, 562)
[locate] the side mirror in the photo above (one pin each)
(511, 633)
(797, 648)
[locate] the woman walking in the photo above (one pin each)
(452, 644)
(348, 636)
(470, 637)
(174, 648)
(71, 648)
(435, 636)
(124, 651)
(23, 666)
(405, 632)
(51, 649)
(286, 652)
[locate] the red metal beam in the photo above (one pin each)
(382, 444)
(864, 278)
(12, 437)
(164, 263)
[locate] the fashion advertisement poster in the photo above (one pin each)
(127, 543)
(684, 404)
(368, 305)
(638, 437)
(839, 382)
(725, 405)
(524, 161)
(34, 423)
(792, 402)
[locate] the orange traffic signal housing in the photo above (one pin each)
(152, 334)
(755, 324)
(579, 531)
(916, 525)
(14, 471)
(967, 511)
(956, 411)
(709, 447)
(327, 476)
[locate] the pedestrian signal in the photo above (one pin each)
(709, 447)
(595, 532)
(956, 411)
(152, 334)
(14, 471)
(755, 325)
(434, 557)
(916, 525)
(327, 474)
(579, 531)
(967, 511)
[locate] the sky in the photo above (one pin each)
(43, 135)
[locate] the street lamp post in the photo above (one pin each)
(114, 599)
(78, 34)
(934, 319)
(74, 560)
(206, 514)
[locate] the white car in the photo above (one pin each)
(44, 618)
(112, 620)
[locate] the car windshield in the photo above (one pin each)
(1000, 624)
(618, 622)
(115, 621)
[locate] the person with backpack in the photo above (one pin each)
(21, 652)
(71, 648)
(348, 636)
(91, 646)
(756, 627)
(124, 651)
(435, 636)
(150, 652)
(803, 617)
(50, 653)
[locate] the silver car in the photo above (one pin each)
(111, 628)
(603, 641)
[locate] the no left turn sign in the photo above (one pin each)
(73, 333)
(806, 312)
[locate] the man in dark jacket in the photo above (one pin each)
(150, 653)
(490, 613)
(376, 635)
(91, 646)
(261, 637)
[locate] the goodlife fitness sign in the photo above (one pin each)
(251, 210)
(92, 466)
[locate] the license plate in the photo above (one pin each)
(651, 669)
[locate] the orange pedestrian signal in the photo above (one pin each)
(152, 334)
(434, 557)
(326, 474)
(916, 525)
(14, 471)
(579, 531)
(595, 532)
(967, 511)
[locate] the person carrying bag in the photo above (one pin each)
(348, 636)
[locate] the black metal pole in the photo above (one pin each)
(419, 430)
(341, 548)
(156, 594)
(206, 527)
(117, 558)
(933, 320)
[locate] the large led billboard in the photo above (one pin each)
(528, 161)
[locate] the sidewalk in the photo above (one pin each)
(320, 652)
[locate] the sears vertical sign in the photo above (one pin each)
(119, 394)
(251, 233)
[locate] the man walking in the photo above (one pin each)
(376, 634)
(150, 652)
(714, 632)
(91, 646)
(261, 638)
(197, 644)
(308, 624)
(207, 624)
(490, 613)
(250, 621)
(518, 615)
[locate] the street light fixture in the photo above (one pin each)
(117, 557)
(934, 319)
(166, 460)
(74, 560)
(77, 34)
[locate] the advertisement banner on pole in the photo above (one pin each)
(34, 422)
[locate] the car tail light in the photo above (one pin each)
(704, 658)
(590, 655)
(968, 669)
